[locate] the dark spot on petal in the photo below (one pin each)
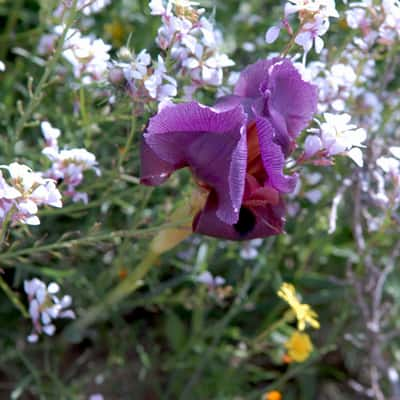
(246, 223)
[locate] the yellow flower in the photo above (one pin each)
(304, 313)
(299, 346)
(273, 395)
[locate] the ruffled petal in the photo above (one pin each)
(252, 77)
(292, 102)
(273, 158)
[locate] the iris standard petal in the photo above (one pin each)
(291, 98)
(252, 77)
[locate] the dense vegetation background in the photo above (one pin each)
(171, 335)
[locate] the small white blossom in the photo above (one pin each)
(339, 136)
(68, 165)
(249, 250)
(209, 280)
(45, 307)
(160, 85)
(24, 193)
(87, 54)
(87, 7)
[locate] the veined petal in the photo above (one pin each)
(273, 158)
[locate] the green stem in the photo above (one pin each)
(86, 240)
(128, 143)
(128, 286)
(37, 94)
(13, 297)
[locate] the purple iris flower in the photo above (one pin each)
(235, 150)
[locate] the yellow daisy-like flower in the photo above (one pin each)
(304, 313)
(299, 346)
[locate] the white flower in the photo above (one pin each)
(324, 8)
(27, 190)
(339, 136)
(388, 164)
(45, 306)
(88, 55)
(50, 134)
(310, 34)
(312, 145)
(68, 165)
(136, 68)
(86, 6)
(2, 66)
(209, 280)
(272, 34)
(157, 7)
(249, 250)
(160, 85)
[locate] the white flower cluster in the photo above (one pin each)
(45, 307)
(87, 7)
(143, 77)
(377, 22)
(193, 46)
(192, 41)
(345, 82)
(24, 193)
(336, 136)
(87, 54)
(68, 165)
(314, 22)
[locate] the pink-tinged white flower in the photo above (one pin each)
(157, 7)
(311, 34)
(340, 137)
(50, 134)
(209, 280)
(88, 56)
(96, 396)
(272, 34)
(45, 307)
(24, 192)
(160, 85)
(249, 251)
(209, 70)
(312, 145)
(137, 67)
(87, 7)
(390, 29)
(47, 44)
(68, 165)
(193, 44)
(388, 164)
(311, 8)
